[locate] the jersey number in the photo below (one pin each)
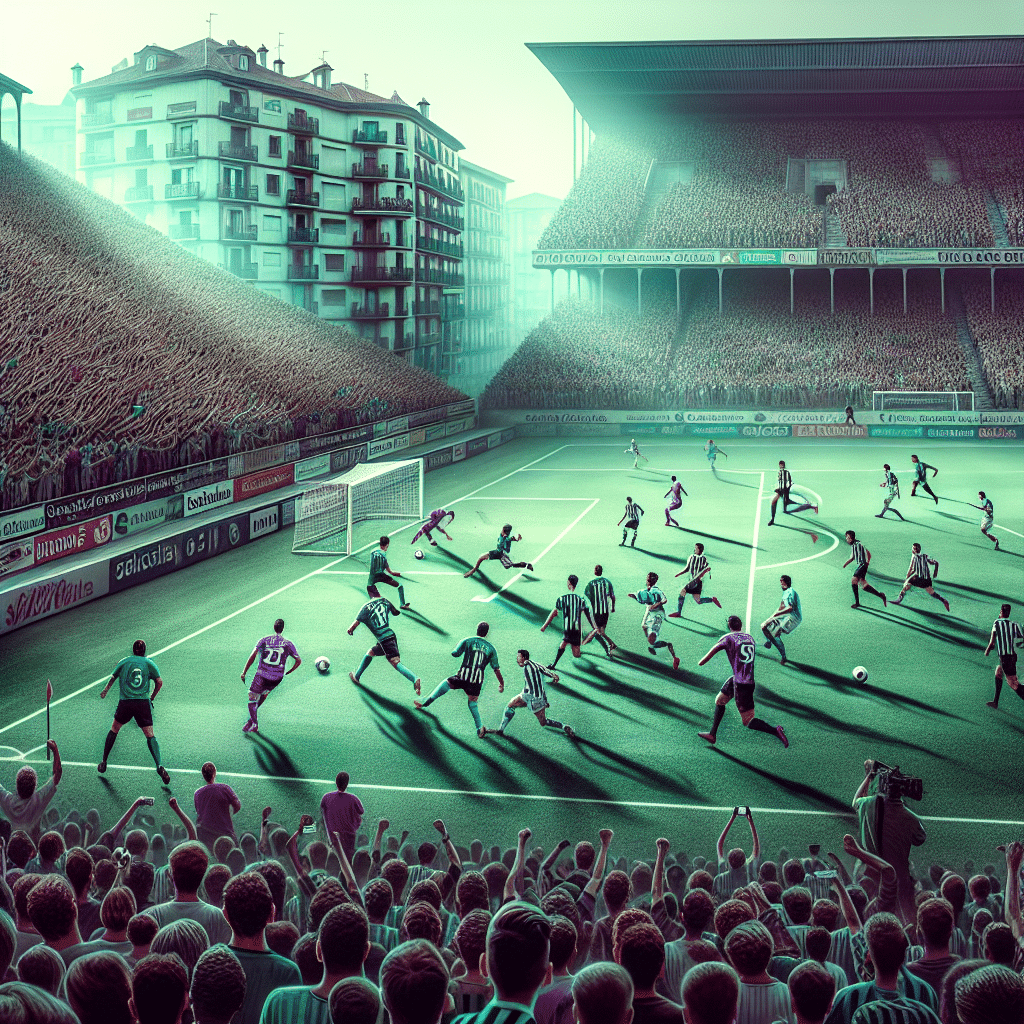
(273, 656)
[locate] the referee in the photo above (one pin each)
(1006, 637)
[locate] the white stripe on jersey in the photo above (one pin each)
(598, 590)
(859, 552)
(695, 565)
(633, 511)
(1005, 632)
(572, 610)
(920, 563)
(785, 479)
(534, 676)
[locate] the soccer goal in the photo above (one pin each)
(924, 401)
(327, 515)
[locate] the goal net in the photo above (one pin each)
(924, 401)
(327, 515)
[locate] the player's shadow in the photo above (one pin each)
(692, 626)
(272, 758)
(948, 620)
(613, 761)
(907, 624)
(571, 691)
(810, 794)
(452, 557)
(735, 483)
(422, 620)
(653, 702)
(959, 519)
(531, 608)
(724, 540)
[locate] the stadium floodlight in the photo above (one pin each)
(923, 401)
(327, 513)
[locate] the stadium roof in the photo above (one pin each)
(615, 84)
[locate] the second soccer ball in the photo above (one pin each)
(418, 553)
(860, 674)
(323, 664)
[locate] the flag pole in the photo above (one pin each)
(49, 694)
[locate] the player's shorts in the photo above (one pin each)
(371, 588)
(505, 560)
(572, 637)
(261, 685)
(653, 623)
(389, 648)
(924, 582)
(535, 703)
(783, 493)
(694, 587)
(601, 619)
(676, 503)
(458, 683)
(986, 523)
(1008, 663)
(711, 456)
(861, 572)
(141, 710)
(743, 692)
(785, 624)
(632, 524)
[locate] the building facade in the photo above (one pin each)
(528, 216)
(326, 196)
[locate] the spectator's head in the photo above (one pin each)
(811, 991)
(421, 921)
(887, 944)
(396, 871)
(641, 950)
(980, 888)
(103, 875)
(495, 875)
(471, 893)
(737, 858)
(701, 879)
(185, 938)
(616, 891)
(248, 904)
(378, 899)
(414, 983)
(281, 937)
(998, 944)
(749, 947)
(697, 912)
(768, 872)
(22, 887)
(343, 940)
(602, 994)
(341, 780)
(78, 867)
(273, 874)
(25, 781)
(954, 889)
(772, 892)
(797, 903)
(584, 853)
(8, 942)
(52, 909)
(236, 860)
(159, 989)
(189, 862)
(425, 853)
(425, 891)
(222, 846)
(640, 878)
(137, 843)
(730, 914)
(139, 878)
(559, 901)
(304, 955)
(330, 895)
(935, 922)
(51, 847)
(990, 995)
(793, 872)
(23, 1003)
(141, 930)
(317, 853)
(355, 1001)
(99, 987)
(117, 909)
(947, 988)
(216, 877)
(471, 938)
(518, 951)
(710, 993)
(20, 848)
(818, 942)
(564, 937)
(825, 914)
(41, 966)
(218, 986)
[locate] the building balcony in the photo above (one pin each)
(296, 198)
(302, 125)
(97, 120)
(246, 271)
(239, 193)
(182, 150)
(303, 236)
(245, 233)
(136, 153)
(372, 239)
(453, 249)
(382, 311)
(425, 145)
(186, 109)
(370, 169)
(441, 277)
(303, 272)
(139, 194)
(383, 204)
(402, 172)
(102, 156)
(183, 190)
(405, 343)
(454, 312)
(226, 151)
(183, 232)
(311, 160)
(311, 306)
(438, 185)
(361, 138)
(439, 216)
(423, 340)
(238, 112)
(381, 275)
(427, 308)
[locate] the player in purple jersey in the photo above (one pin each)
(434, 523)
(676, 502)
(273, 652)
(740, 649)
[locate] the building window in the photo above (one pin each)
(273, 184)
(243, 62)
(335, 261)
(334, 227)
(271, 224)
(151, 62)
(274, 105)
(333, 296)
(271, 259)
(275, 145)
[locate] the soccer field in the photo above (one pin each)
(637, 764)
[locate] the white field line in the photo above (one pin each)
(753, 553)
(1008, 530)
(405, 572)
(809, 558)
(487, 600)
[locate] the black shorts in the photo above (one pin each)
(861, 571)
(141, 710)
(505, 560)
(458, 683)
(632, 524)
(921, 581)
(601, 619)
(783, 493)
(743, 692)
(371, 588)
(389, 648)
(1008, 663)
(572, 637)
(694, 587)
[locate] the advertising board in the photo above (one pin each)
(22, 605)
(202, 499)
(72, 540)
(265, 480)
(148, 515)
(308, 469)
(22, 521)
(76, 509)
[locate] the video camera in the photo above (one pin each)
(892, 783)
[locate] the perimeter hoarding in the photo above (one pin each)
(35, 601)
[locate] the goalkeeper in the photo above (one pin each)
(434, 523)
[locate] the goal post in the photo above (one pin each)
(328, 514)
(923, 401)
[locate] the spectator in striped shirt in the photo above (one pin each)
(710, 994)
(534, 697)
(573, 608)
(601, 595)
(632, 519)
(641, 950)
(697, 566)
(920, 575)
(749, 948)
(736, 869)
(1006, 637)
(860, 555)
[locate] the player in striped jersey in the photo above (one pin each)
(892, 482)
(675, 502)
(989, 513)
(919, 575)
(697, 566)
(534, 697)
(375, 614)
(1006, 637)
(502, 551)
(632, 519)
(921, 477)
(379, 570)
(654, 617)
(634, 450)
(573, 608)
(740, 649)
(782, 489)
(862, 557)
(601, 595)
(434, 523)
(477, 653)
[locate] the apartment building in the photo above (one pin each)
(528, 216)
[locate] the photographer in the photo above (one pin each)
(888, 828)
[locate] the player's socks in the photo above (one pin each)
(994, 703)
(938, 597)
(679, 606)
(558, 654)
(871, 590)
(778, 643)
(439, 692)
(252, 710)
(603, 641)
(623, 538)
(154, 749)
(401, 596)
(475, 712)
(506, 718)
(856, 596)
(553, 723)
(717, 721)
(632, 543)
(363, 666)
(405, 672)
(760, 725)
(108, 745)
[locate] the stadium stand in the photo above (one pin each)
(998, 335)
(124, 354)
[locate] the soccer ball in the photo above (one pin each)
(323, 664)
(418, 553)
(860, 674)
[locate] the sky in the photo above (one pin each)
(467, 57)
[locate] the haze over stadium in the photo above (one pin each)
(758, 267)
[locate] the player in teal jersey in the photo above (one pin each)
(375, 615)
(477, 653)
(713, 451)
(785, 618)
(133, 675)
(654, 617)
(921, 477)
(601, 595)
(986, 523)
(893, 484)
(502, 551)
(379, 570)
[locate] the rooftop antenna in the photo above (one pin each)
(366, 82)
(323, 56)
(279, 34)
(209, 24)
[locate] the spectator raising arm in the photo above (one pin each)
(514, 886)
(594, 885)
(58, 771)
(549, 863)
(190, 827)
(1011, 911)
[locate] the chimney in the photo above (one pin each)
(327, 76)
(424, 108)
(262, 55)
(76, 75)
(279, 66)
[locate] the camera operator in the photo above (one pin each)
(888, 828)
